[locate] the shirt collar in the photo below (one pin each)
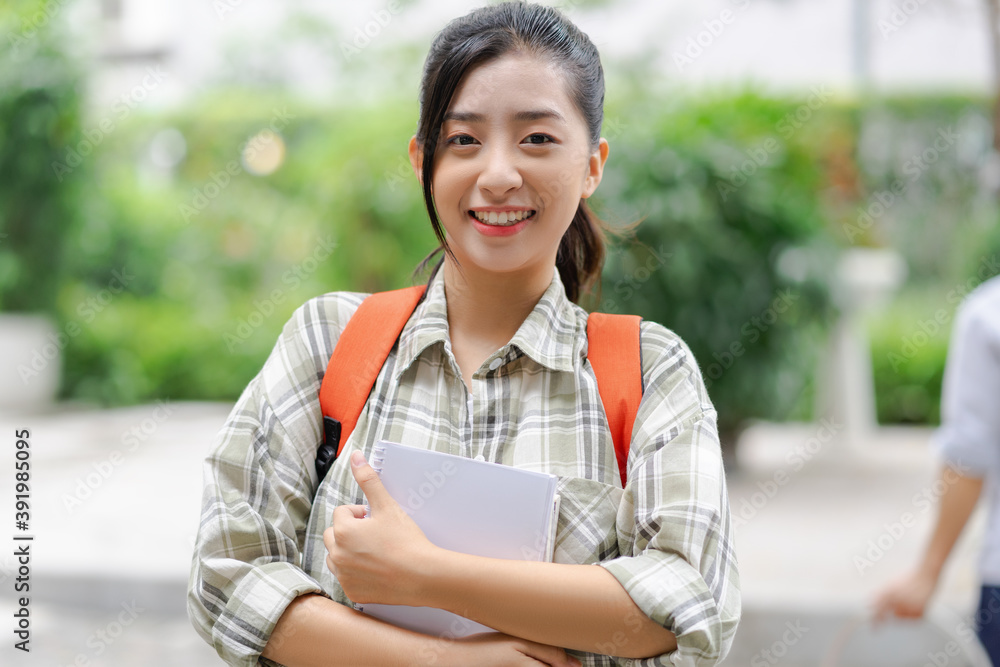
(548, 335)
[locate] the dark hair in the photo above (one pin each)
(488, 33)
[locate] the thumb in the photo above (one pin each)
(369, 482)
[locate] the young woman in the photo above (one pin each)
(492, 365)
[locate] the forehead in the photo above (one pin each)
(518, 79)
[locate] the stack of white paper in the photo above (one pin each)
(470, 506)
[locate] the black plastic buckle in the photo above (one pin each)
(327, 452)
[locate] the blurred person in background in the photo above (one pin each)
(968, 444)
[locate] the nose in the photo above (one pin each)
(500, 173)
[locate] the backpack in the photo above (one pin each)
(364, 345)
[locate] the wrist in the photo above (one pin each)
(930, 569)
(444, 652)
(425, 576)
(433, 580)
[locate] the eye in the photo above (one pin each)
(538, 138)
(461, 140)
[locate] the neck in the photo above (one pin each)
(487, 308)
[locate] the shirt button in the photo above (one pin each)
(480, 457)
(496, 363)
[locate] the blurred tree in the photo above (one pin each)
(40, 111)
(733, 249)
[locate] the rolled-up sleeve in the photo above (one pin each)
(259, 481)
(678, 560)
(969, 437)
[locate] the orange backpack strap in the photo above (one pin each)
(371, 333)
(613, 350)
(357, 358)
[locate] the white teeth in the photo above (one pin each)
(504, 218)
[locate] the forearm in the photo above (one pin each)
(957, 503)
(580, 607)
(315, 631)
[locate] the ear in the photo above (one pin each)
(595, 168)
(417, 159)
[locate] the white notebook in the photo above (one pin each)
(470, 506)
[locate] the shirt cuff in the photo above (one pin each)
(970, 453)
(251, 612)
(674, 594)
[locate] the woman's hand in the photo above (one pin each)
(378, 559)
(495, 648)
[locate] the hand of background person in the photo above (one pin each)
(906, 597)
(378, 559)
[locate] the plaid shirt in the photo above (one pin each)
(667, 537)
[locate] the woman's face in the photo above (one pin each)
(512, 163)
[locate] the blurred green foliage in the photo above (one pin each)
(733, 247)
(909, 345)
(937, 151)
(187, 257)
(216, 257)
(40, 118)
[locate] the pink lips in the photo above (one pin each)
(494, 230)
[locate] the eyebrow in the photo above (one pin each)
(520, 116)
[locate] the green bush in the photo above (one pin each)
(733, 246)
(909, 346)
(40, 116)
(217, 258)
(211, 255)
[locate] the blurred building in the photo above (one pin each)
(312, 46)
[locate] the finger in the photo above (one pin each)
(331, 544)
(347, 512)
(369, 482)
(880, 608)
(550, 655)
(330, 565)
(357, 511)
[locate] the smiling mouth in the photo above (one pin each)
(505, 219)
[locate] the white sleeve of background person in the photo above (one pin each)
(969, 437)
